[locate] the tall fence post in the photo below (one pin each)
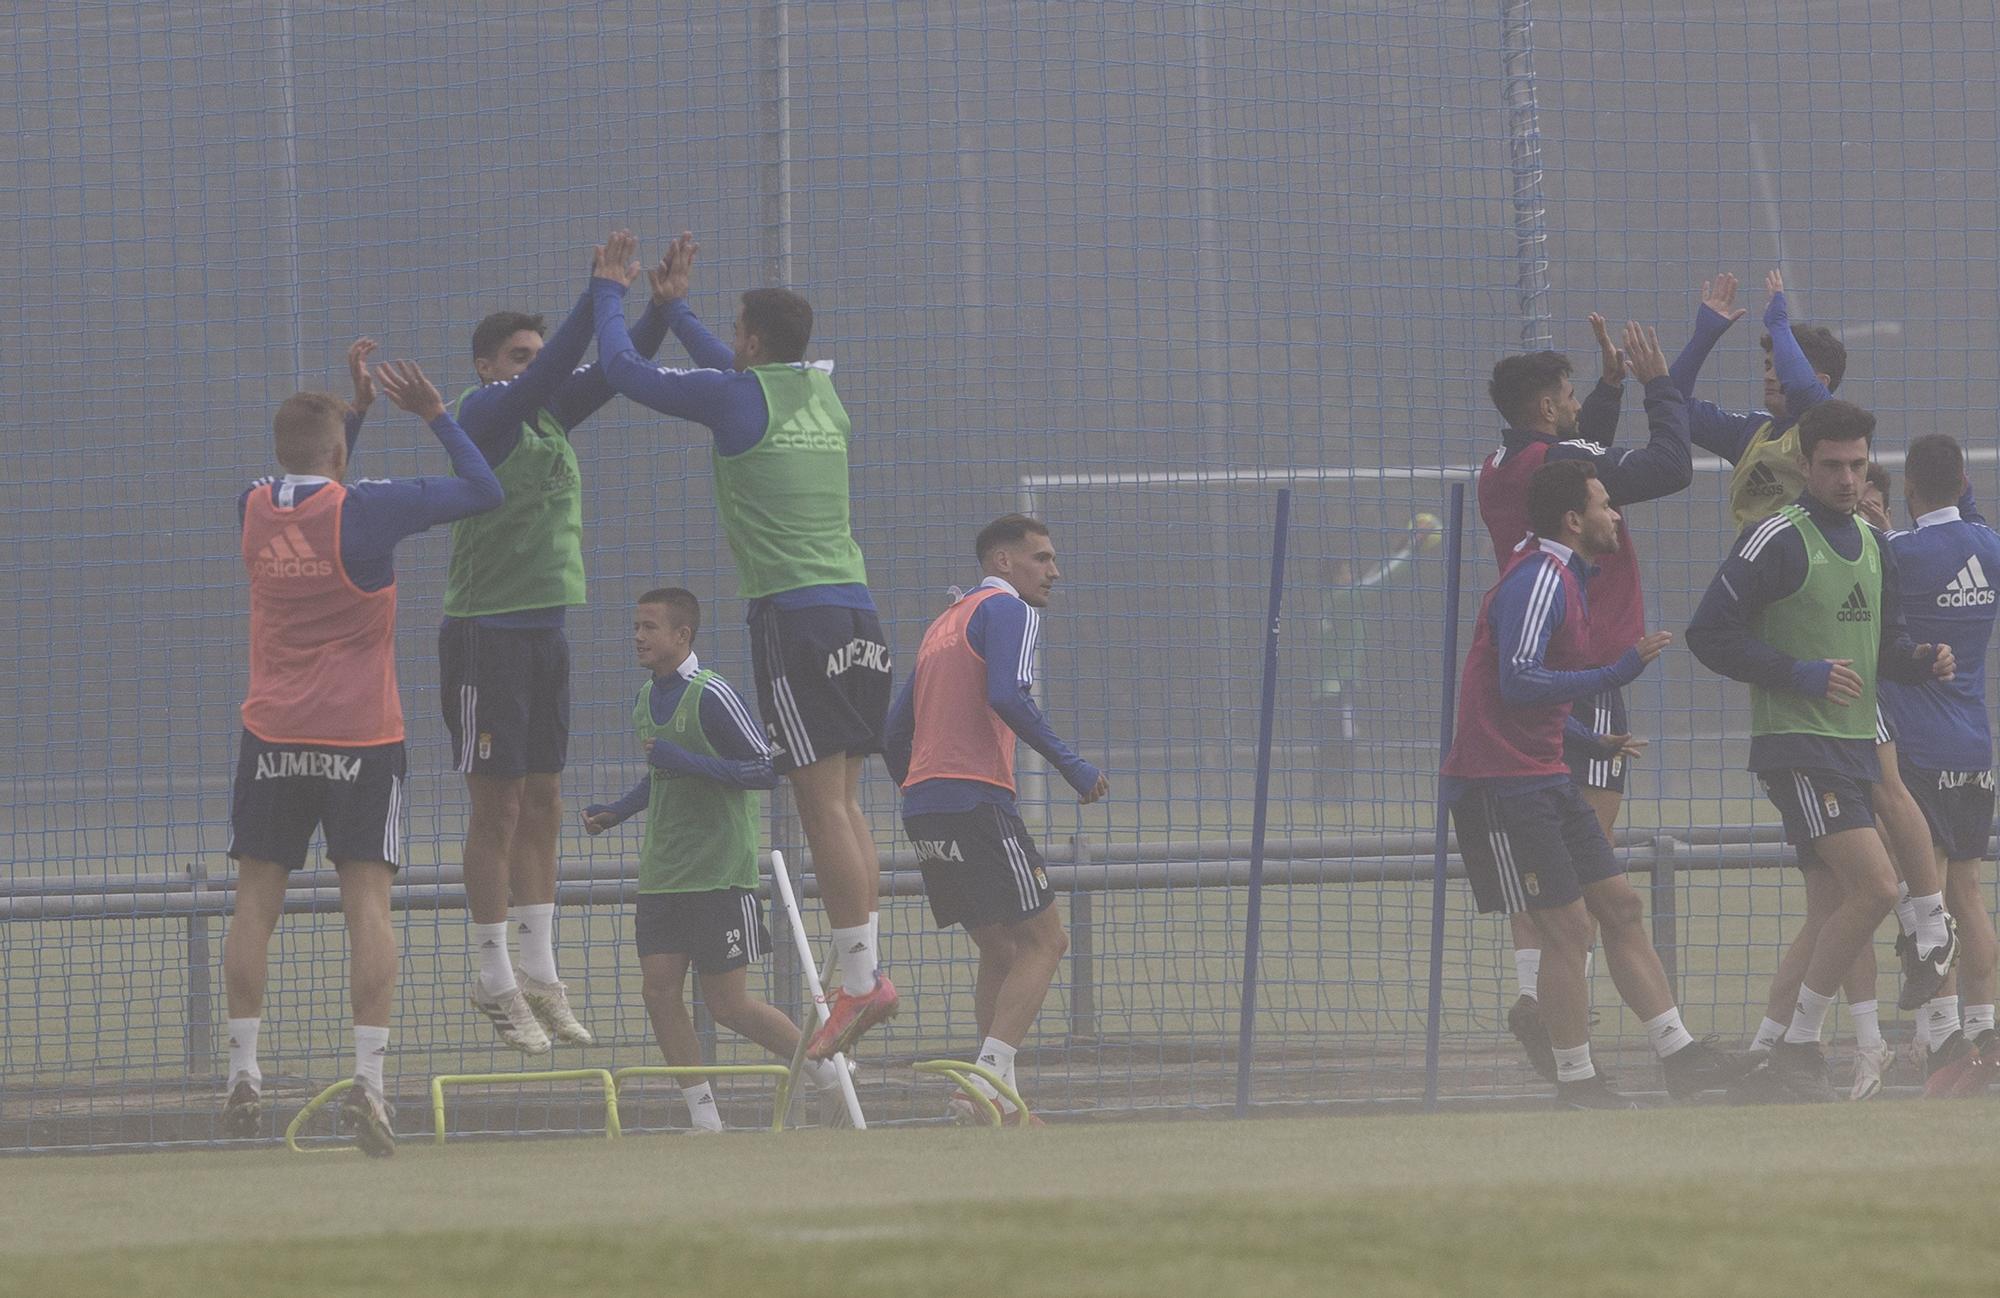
(1454, 533)
(1253, 920)
(1666, 912)
(199, 1034)
(1524, 147)
(1082, 948)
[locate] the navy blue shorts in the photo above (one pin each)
(822, 681)
(1589, 766)
(719, 930)
(505, 692)
(1816, 803)
(1531, 851)
(1957, 805)
(286, 791)
(980, 867)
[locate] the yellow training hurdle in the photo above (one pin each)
(599, 1075)
(961, 1073)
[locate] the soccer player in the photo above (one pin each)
(1807, 611)
(504, 660)
(1545, 423)
(779, 452)
(1803, 365)
(950, 746)
(1947, 563)
(1349, 618)
(698, 901)
(322, 743)
(1530, 842)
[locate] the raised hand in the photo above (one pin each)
(1873, 512)
(1614, 360)
(358, 353)
(1652, 646)
(613, 259)
(406, 385)
(670, 278)
(1719, 296)
(1774, 282)
(1642, 350)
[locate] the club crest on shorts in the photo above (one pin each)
(1041, 877)
(485, 745)
(1530, 884)
(1831, 804)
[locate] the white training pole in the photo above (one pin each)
(815, 984)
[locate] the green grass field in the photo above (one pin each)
(1885, 1198)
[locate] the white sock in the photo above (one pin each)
(1978, 1019)
(243, 1051)
(1809, 1017)
(371, 1051)
(1667, 1033)
(997, 1056)
(857, 959)
(1573, 1065)
(875, 936)
(1930, 914)
(701, 1107)
(1528, 970)
(489, 948)
(536, 928)
(1940, 1019)
(1906, 914)
(1919, 1033)
(825, 1077)
(1867, 1018)
(1589, 963)
(1769, 1033)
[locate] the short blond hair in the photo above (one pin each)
(309, 426)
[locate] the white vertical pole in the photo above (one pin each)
(803, 945)
(290, 276)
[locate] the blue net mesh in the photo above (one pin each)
(1129, 266)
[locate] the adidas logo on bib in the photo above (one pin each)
(1855, 607)
(1969, 589)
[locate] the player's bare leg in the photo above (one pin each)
(260, 900)
(1690, 1066)
(663, 983)
(1966, 1065)
(1564, 935)
(531, 910)
(1856, 857)
(371, 974)
(490, 829)
(996, 961)
(1926, 950)
(1823, 893)
(1028, 952)
(844, 864)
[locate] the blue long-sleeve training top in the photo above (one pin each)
(1003, 631)
(555, 381)
(1720, 432)
(1661, 467)
(379, 512)
(1949, 566)
(1767, 564)
(1522, 616)
(723, 399)
(743, 758)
